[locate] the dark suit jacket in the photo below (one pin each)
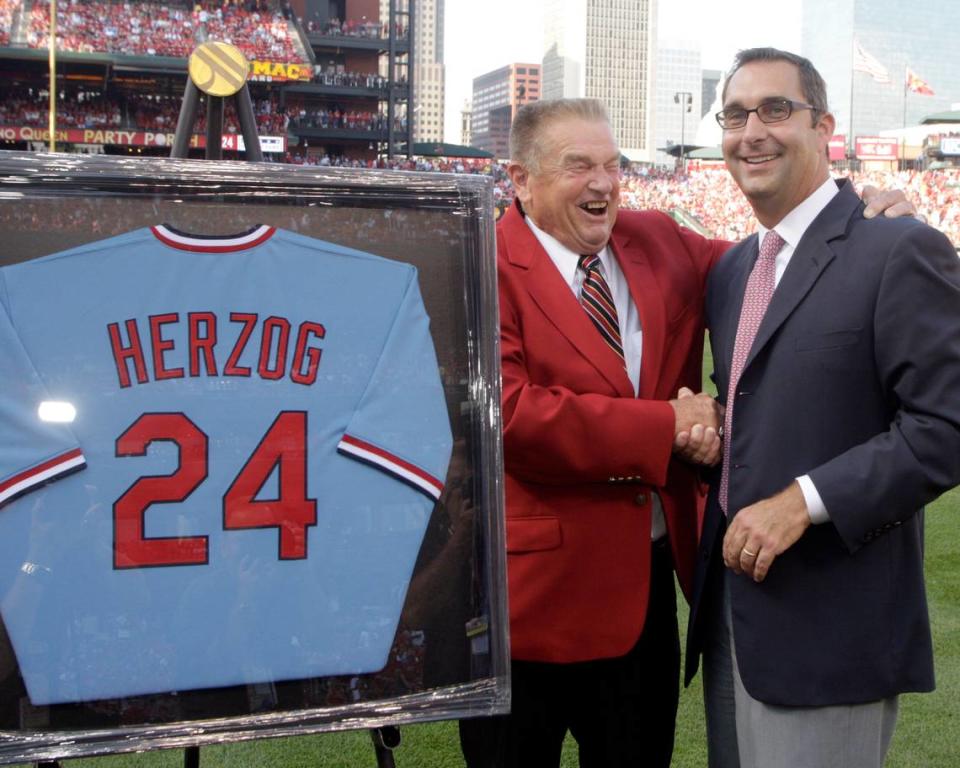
(582, 452)
(854, 379)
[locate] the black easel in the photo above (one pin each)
(385, 740)
(191, 757)
(214, 148)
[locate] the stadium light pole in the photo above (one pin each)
(53, 76)
(685, 100)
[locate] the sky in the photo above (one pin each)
(483, 35)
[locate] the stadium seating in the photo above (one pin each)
(354, 120)
(351, 28)
(7, 10)
(140, 112)
(164, 29)
(714, 199)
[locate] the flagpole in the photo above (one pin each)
(903, 141)
(851, 149)
(53, 76)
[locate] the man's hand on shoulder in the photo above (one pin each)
(758, 534)
(697, 434)
(890, 202)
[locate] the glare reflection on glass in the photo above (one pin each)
(57, 411)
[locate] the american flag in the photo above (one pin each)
(864, 62)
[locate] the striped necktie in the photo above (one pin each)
(597, 301)
(756, 298)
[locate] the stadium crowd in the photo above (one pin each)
(160, 114)
(84, 110)
(142, 112)
(7, 8)
(332, 75)
(170, 28)
(712, 197)
(352, 28)
(350, 119)
(935, 193)
(709, 195)
(423, 164)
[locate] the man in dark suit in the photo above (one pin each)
(836, 345)
(598, 513)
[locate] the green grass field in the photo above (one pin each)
(927, 736)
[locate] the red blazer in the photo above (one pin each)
(582, 453)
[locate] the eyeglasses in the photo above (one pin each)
(773, 111)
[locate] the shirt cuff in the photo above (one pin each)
(815, 507)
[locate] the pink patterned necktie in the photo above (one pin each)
(756, 298)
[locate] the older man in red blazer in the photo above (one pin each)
(598, 513)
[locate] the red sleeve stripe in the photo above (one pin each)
(404, 470)
(185, 242)
(41, 473)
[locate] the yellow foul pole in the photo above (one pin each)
(53, 75)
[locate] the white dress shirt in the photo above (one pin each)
(792, 228)
(566, 262)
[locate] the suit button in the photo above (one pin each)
(642, 499)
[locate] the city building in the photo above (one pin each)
(428, 72)
(897, 37)
(357, 103)
(466, 124)
(710, 79)
(584, 55)
(678, 98)
(565, 48)
(496, 97)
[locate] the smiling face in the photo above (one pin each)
(574, 191)
(777, 165)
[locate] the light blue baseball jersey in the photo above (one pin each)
(263, 434)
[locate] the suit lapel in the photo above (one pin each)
(811, 257)
(648, 300)
(553, 296)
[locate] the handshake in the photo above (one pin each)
(698, 431)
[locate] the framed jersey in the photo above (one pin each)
(249, 452)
